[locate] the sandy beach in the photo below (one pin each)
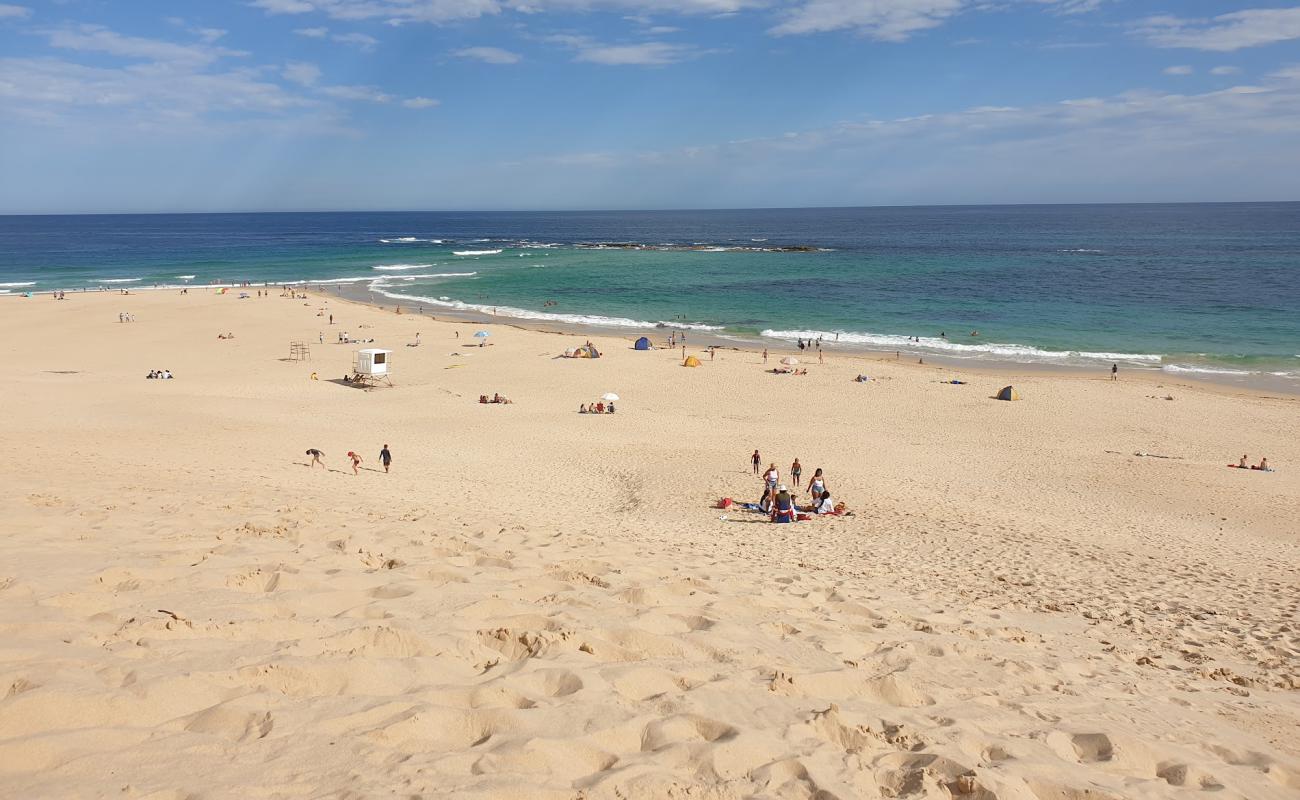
(1060, 598)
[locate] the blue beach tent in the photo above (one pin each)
(642, 344)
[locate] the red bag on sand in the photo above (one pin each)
(803, 517)
(724, 502)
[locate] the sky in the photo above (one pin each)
(251, 105)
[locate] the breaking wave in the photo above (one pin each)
(475, 252)
(1012, 352)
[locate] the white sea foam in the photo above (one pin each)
(386, 278)
(1015, 352)
(1080, 250)
(119, 280)
(398, 267)
(522, 313)
(1177, 368)
(19, 283)
(475, 252)
(185, 277)
(323, 281)
(690, 326)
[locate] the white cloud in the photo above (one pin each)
(52, 91)
(1225, 33)
(652, 54)
(8, 11)
(420, 102)
(364, 94)
(360, 40)
(301, 73)
(660, 30)
(886, 20)
(285, 6)
(210, 35)
(645, 54)
(1181, 69)
(98, 39)
(488, 55)
(1225, 70)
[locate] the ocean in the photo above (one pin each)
(1209, 289)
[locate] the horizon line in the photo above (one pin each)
(627, 210)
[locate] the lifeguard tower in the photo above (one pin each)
(370, 367)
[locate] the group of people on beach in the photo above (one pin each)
(159, 374)
(126, 316)
(317, 457)
(495, 398)
(1244, 463)
(780, 503)
(598, 407)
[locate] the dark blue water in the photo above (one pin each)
(1196, 286)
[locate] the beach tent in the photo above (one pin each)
(570, 352)
(1008, 393)
(642, 344)
(691, 361)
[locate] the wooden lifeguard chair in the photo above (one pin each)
(299, 351)
(370, 367)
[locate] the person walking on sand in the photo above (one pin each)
(385, 458)
(1114, 372)
(764, 355)
(817, 485)
(356, 460)
(796, 470)
(756, 460)
(316, 457)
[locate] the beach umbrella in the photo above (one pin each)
(609, 397)
(789, 361)
(482, 335)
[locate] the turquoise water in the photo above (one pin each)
(1205, 287)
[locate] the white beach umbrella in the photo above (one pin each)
(789, 361)
(482, 335)
(609, 397)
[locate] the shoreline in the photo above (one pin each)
(360, 291)
(1258, 385)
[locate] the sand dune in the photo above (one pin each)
(539, 604)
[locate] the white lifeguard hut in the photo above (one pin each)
(370, 367)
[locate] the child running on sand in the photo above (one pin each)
(316, 456)
(356, 459)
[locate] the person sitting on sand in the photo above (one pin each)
(167, 375)
(153, 374)
(824, 505)
(783, 509)
(316, 457)
(600, 408)
(1243, 464)
(582, 409)
(1263, 465)
(610, 408)
(356, 459)
(765, 501)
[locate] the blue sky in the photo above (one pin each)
(190, 105)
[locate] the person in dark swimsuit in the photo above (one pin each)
(783, 505)
(756, 460)
(316, 456)
(385, 458)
